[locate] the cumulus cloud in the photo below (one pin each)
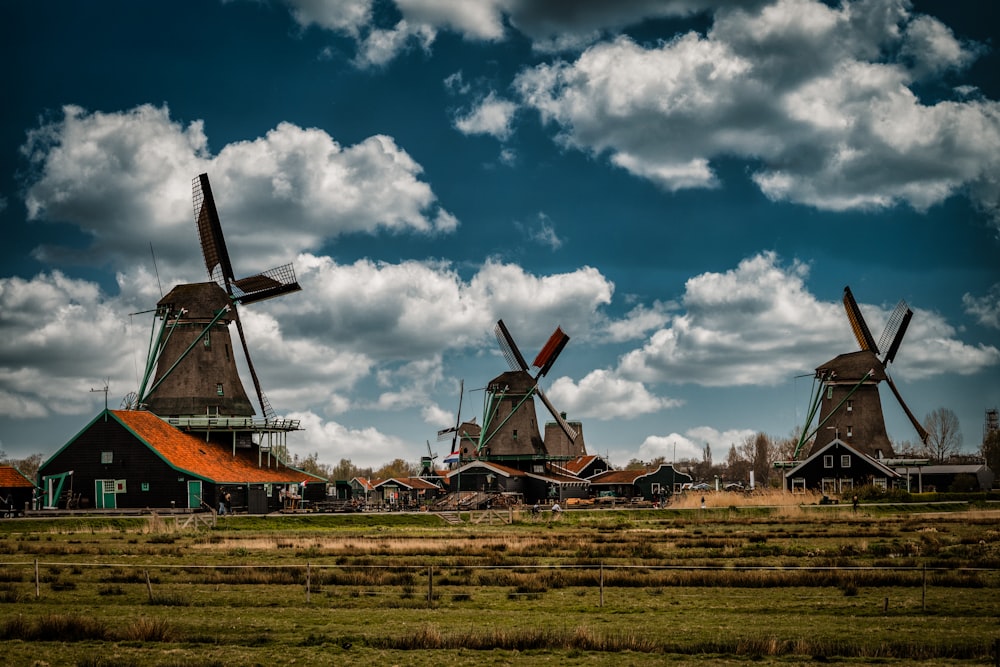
(332, 441)
(62, 337)
(603, 395)
(803, 91)
(816, 98)
(113, 173)
(985, 309)
(691, 444)
(491, 115)
(759, 325)
(551, 25)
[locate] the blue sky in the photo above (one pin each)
(685, 187)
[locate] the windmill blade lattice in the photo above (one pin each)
(515, 360)
(213, 244)
(898, 321)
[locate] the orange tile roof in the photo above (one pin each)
(579, 463)
(618, 477)
(204, 459)
(11, 478)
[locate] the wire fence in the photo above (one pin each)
(457, 580)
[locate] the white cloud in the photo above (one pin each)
(803, 90)
(758, 325)
(491, 115)
(105, 171)
(348, 16)
(932, 47)
(381, 46)
(365, 447)
(691, 445)
(986, 309)
(640, 320)
(544, 232)
(603, 395)
(62, 338)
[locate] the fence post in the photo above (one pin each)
(308, 582)
(430, 585)
(923, 595)
(149, 586)
(602, 583)
(37, 590)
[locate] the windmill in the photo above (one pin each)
(427, 462)
(846, 388)
(196, 370)
(509, 420)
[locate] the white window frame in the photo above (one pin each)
(845, 460)
(798, 484)
(828, 460)
(880, 483)
(828, 485)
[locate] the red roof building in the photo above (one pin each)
(134, 459)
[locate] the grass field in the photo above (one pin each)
(736, 583)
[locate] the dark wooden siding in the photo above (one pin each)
(149, 481)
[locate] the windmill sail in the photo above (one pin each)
(858, 325)
(898, 337)
(509, 349)
(547, 356)
(921, 431)
(213, 244)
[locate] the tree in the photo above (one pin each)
(991, 451)
(737, 465)
(27, 466)
(396, 468)
(945, 436)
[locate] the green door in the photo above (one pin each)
(194, 493)
(104, 494)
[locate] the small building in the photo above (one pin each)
(949, 477)
(134, 459)
(403, 492)
(16, 492)
(838, 469)
(653, 485)
(585, 466)
(543, 484)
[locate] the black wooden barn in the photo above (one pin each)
(654, 485)
(134, 459)
(838, 469)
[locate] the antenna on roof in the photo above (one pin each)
(105, 390)
(155, 270)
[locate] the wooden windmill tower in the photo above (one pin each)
(510, 426)
(193, 356)
(846, 388)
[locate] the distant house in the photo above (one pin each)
(653, 485)
(134, 459)
(541, 484)
(837, 469)
(585, 466)
(16, 491)
(403, 491)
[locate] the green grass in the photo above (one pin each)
(723, 586)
